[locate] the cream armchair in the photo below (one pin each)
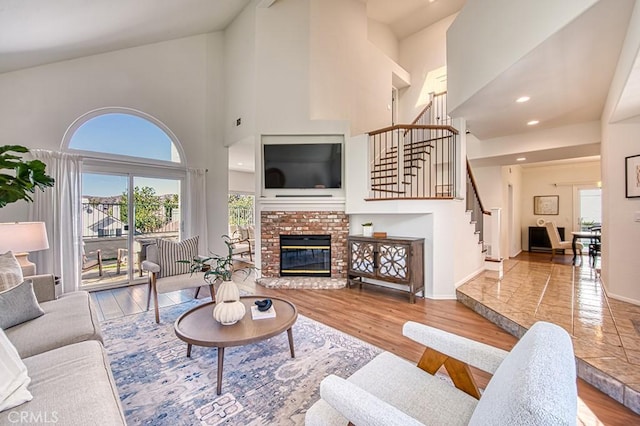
(167, 281)
(534, 384)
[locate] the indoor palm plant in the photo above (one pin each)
(25, 176)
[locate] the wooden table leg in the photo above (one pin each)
(290, 334)
(220, 362)
(189, 350)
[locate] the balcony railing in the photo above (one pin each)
(413, 162)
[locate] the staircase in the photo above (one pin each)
(419, 161)
(413, 161)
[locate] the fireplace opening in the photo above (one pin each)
(305, 255)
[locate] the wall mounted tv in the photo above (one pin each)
(302, 166)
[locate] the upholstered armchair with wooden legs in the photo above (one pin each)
(166, 274)
(556, 243)
(533, 384)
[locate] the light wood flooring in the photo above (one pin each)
(376, 315)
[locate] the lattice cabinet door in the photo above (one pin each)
(393, 259)
(393, 262)
(362, 258)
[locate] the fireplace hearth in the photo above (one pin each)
(305, 255)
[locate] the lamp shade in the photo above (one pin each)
(23, 237)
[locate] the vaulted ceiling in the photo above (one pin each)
(568, 76)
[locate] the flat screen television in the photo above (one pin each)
(302, 166)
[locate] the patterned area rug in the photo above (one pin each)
(262, 384)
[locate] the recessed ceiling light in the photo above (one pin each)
(521, 158)
(240, 164)
(532, 122)
(522, 99)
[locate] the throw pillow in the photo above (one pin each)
(13, 376)
(18, 304)
(10, 271)
(169, 252)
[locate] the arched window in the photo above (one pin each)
(122, 132)
(132, 186)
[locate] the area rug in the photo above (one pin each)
(262, 384)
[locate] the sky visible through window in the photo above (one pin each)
(123, 134)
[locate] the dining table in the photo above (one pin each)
(578, 235)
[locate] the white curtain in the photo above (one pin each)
(60, 209)
(196, 206)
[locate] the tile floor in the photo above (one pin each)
(605, 332)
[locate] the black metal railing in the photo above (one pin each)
(413, 161)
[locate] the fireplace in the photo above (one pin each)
(305, 255)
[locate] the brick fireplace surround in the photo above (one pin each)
(274, 223)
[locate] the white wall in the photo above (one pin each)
(240, 76)
(422, 55)
(474, 40)
(620, 233)
(242, 182)
(350, 78)
(511, 225)
(282, 65)
(381, 36)
(560, 180)
(173, 81)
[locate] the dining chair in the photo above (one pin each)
(595, 244)
(557, 243)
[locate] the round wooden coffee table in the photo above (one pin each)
(197, 327)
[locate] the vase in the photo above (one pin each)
(229, 310)
(367, 231)
(228, 292)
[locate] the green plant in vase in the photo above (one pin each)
(228, 309)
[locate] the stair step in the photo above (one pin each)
(414, 157)
(385, 163)
(390, 191)
(419, 144)
(383, 184)
(383, 170)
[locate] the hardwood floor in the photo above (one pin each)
(376, 315)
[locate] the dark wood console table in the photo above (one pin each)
(539, 239)
(397, 260)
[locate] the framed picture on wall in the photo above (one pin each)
(546, 204)
(632, 176)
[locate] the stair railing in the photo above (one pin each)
(474, 203)
(413, 162)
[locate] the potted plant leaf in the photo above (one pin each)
(24, 177)
(228, 309)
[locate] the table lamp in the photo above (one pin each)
(22, 238)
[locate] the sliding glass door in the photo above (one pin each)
(122, 213)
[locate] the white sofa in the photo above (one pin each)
(71, 380)
(534, 384)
